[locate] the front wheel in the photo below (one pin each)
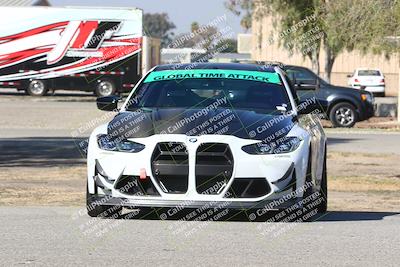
(105, 87)
(323, 205)
(37, 88)
(343, 115)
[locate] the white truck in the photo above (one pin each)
(92, 49)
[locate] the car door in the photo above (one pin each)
(304, 81)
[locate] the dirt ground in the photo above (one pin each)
(364, 182)
(357, 182)
(383, 123)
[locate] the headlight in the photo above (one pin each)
(105, 143)
(285, 145)
(367, 97)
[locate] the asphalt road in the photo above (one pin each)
(53, 236)
(364, 141)
(39, 133)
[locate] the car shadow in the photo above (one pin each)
(337, 140)
(57, 93)
(242, 216)
(42, 151)
(339, 216)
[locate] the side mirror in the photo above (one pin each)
(349, 75)
(108, 103)
(312, 105)
(307, 85)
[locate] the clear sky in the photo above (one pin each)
(181, 12)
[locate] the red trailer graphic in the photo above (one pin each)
(71, 48)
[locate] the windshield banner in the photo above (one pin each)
(167, 75)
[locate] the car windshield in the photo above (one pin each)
(196, 89)
(369, 73)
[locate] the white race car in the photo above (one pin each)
(198, 136)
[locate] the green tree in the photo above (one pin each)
(242, 8)
(200, 36)
(287, 15)
(342, 25)
(357, 24)
(227, 45)
(158, 25)
(370, 24)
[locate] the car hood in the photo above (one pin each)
(345, 90)
(194, 122)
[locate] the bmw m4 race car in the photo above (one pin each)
(201, 136)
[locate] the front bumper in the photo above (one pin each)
(367, 111)
(282, 174)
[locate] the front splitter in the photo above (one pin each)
(189, 204)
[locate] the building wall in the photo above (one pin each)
(244, 43)
(264, 49)
(151, 53)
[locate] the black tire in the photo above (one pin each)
(309, 212)
(309, 190)
(304, 210)
(323, 206)
(95, 209)
(343, 115)
(37, 88)
(105, 87)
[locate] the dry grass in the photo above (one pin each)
(41, 196)
(363, 181)
(364, 201)
(43, 186)
(364, 184)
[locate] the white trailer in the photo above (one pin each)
(91, 49)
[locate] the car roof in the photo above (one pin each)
(222, 66)
(295, 67)
(368, 69)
